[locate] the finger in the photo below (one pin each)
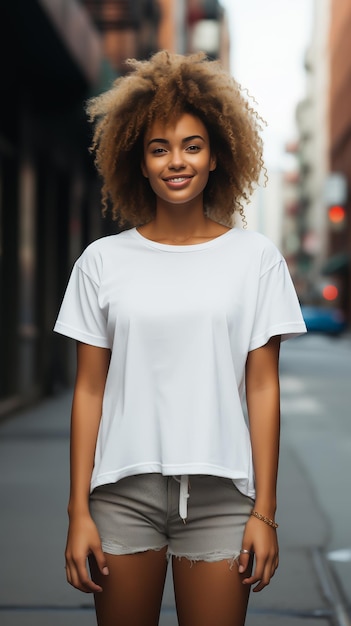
(251, 580)
(68, 574)
(262, 584)
(274, 566)
(257, 574)
(265, 565)
(100, 559)
(244, 562)
(80, 578)
(265, 578)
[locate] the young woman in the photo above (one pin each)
(176, 318)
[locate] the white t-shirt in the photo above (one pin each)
(180, 321)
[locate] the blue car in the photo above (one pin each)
(321, 319)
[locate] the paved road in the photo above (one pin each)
(316, 401)
(313, 504)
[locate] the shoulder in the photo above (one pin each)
(105, 245)
(102, 252)
(258, 247)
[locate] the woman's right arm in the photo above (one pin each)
(83, 538)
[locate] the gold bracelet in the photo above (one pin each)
(266, 520)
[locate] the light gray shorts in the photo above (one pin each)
(141, 513)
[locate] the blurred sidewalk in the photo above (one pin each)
(33, 492)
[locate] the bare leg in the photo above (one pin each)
(209, 593)
(132, 592)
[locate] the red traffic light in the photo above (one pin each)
(336, 214)
(330, 292)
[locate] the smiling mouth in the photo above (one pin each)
(177, 179)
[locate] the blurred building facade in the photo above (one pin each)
(310, 245)
(50, 59)
(127, 28)
(323, 225)
(139, 28)
(338, 264)
(290, 235)
(54, 55)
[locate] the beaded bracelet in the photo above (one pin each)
(265, 519)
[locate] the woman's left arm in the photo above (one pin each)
(263, 404)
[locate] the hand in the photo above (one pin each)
(82, 540)
(261, 540)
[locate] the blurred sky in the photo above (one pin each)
(268, 45)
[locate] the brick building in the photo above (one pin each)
(339, 240)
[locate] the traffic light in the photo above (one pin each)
(337, 214)
(337, 217)
(330, 292)
(335, 197)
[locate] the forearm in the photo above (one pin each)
(263, 404)
(260, 536)
(92, 368)
(85, 420)
(264, 418)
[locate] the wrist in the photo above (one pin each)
(266, 507)
(263, 518)
(76, 509)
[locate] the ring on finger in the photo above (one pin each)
(243, 551)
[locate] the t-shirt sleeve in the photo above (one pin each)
(277, 310)
(81, 316)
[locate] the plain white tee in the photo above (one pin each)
(180, 321)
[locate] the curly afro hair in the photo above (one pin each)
(163, 88)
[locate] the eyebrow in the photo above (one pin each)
(165, 141)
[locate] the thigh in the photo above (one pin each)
(132, 592)
(209, 593)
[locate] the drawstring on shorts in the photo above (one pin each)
(183, 495)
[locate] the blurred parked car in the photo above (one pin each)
(322, 319)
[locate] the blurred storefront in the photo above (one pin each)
(54, 55)
(50, 59)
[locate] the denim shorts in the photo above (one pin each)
(142, 513)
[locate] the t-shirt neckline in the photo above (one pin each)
(180, 247)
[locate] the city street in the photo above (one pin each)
(311, 587)
(264, 88)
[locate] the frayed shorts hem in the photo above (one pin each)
(211, 557)
(116, 549)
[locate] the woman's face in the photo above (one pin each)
(177, 160)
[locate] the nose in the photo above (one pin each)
(176, 161)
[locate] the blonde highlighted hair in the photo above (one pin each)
(163, 88)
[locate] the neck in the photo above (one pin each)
(180, 231)
(178, 226)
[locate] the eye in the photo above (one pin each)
(158, 151)
(193, 148)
